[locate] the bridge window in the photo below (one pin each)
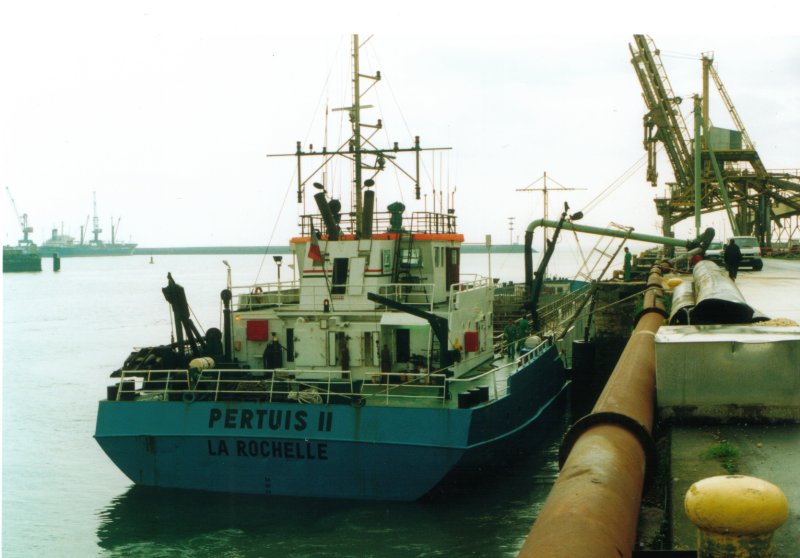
(410, 257)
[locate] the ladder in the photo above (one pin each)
(405, 241)
(603, 252)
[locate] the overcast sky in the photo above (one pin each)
(168, 109)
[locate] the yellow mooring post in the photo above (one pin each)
(735, 516)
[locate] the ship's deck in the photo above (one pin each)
(328, 385)
(493, 376)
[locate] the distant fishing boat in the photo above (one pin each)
(375, 375)
(66, 246)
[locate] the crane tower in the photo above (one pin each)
(727, 175)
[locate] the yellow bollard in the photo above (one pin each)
(735, 516)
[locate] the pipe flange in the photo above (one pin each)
(610, 418)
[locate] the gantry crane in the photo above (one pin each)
(23, 222)
(730, 172)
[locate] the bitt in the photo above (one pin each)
(735, 515)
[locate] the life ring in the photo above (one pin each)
(188, 397)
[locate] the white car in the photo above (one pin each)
(751, 252)
(748, 245)
(714, 252)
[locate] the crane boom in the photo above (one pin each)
(22, 220)
(661, 101)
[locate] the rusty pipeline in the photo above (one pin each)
(593, 507)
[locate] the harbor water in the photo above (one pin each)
(65, 332)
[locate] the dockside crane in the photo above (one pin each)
(96, 230)
(23, 222)
(778, 193)
(728, 172)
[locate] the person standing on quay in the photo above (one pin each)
(626, 268)
(732, 257)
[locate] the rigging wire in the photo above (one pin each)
(384, 128)
(608, 190)
(425, 168)
(604, 194)
(289, 188)
(322, 97)
(196, 319)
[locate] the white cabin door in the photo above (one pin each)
(355, 284)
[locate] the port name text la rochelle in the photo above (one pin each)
(278, 449)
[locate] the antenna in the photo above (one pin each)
(544, 190)
(358, 147)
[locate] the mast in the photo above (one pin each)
(354, 149)
(356, 120)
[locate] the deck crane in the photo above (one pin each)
(115, 229)
(84, 230)
(23, 222)
(663, 122)
(731, 172)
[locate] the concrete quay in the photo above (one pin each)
(775, 290)
(770, 451)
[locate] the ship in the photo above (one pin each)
(21, 258)
(380, 373)
(65, 245)
(25, 255)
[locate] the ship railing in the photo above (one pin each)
(301, 386)
(420, 222)
(249, 297)
(556, 313)
(430, 222)
(413, 294)
(469, 288)
(497, 378)
(405, 387)
(510, 294)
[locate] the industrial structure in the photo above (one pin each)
(727, 175)
(23, 223)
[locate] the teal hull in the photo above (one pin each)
(327, 450)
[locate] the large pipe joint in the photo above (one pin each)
(653, 303)
(637, 429)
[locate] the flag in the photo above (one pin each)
(313, 250)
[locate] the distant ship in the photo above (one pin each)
(65, 245)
